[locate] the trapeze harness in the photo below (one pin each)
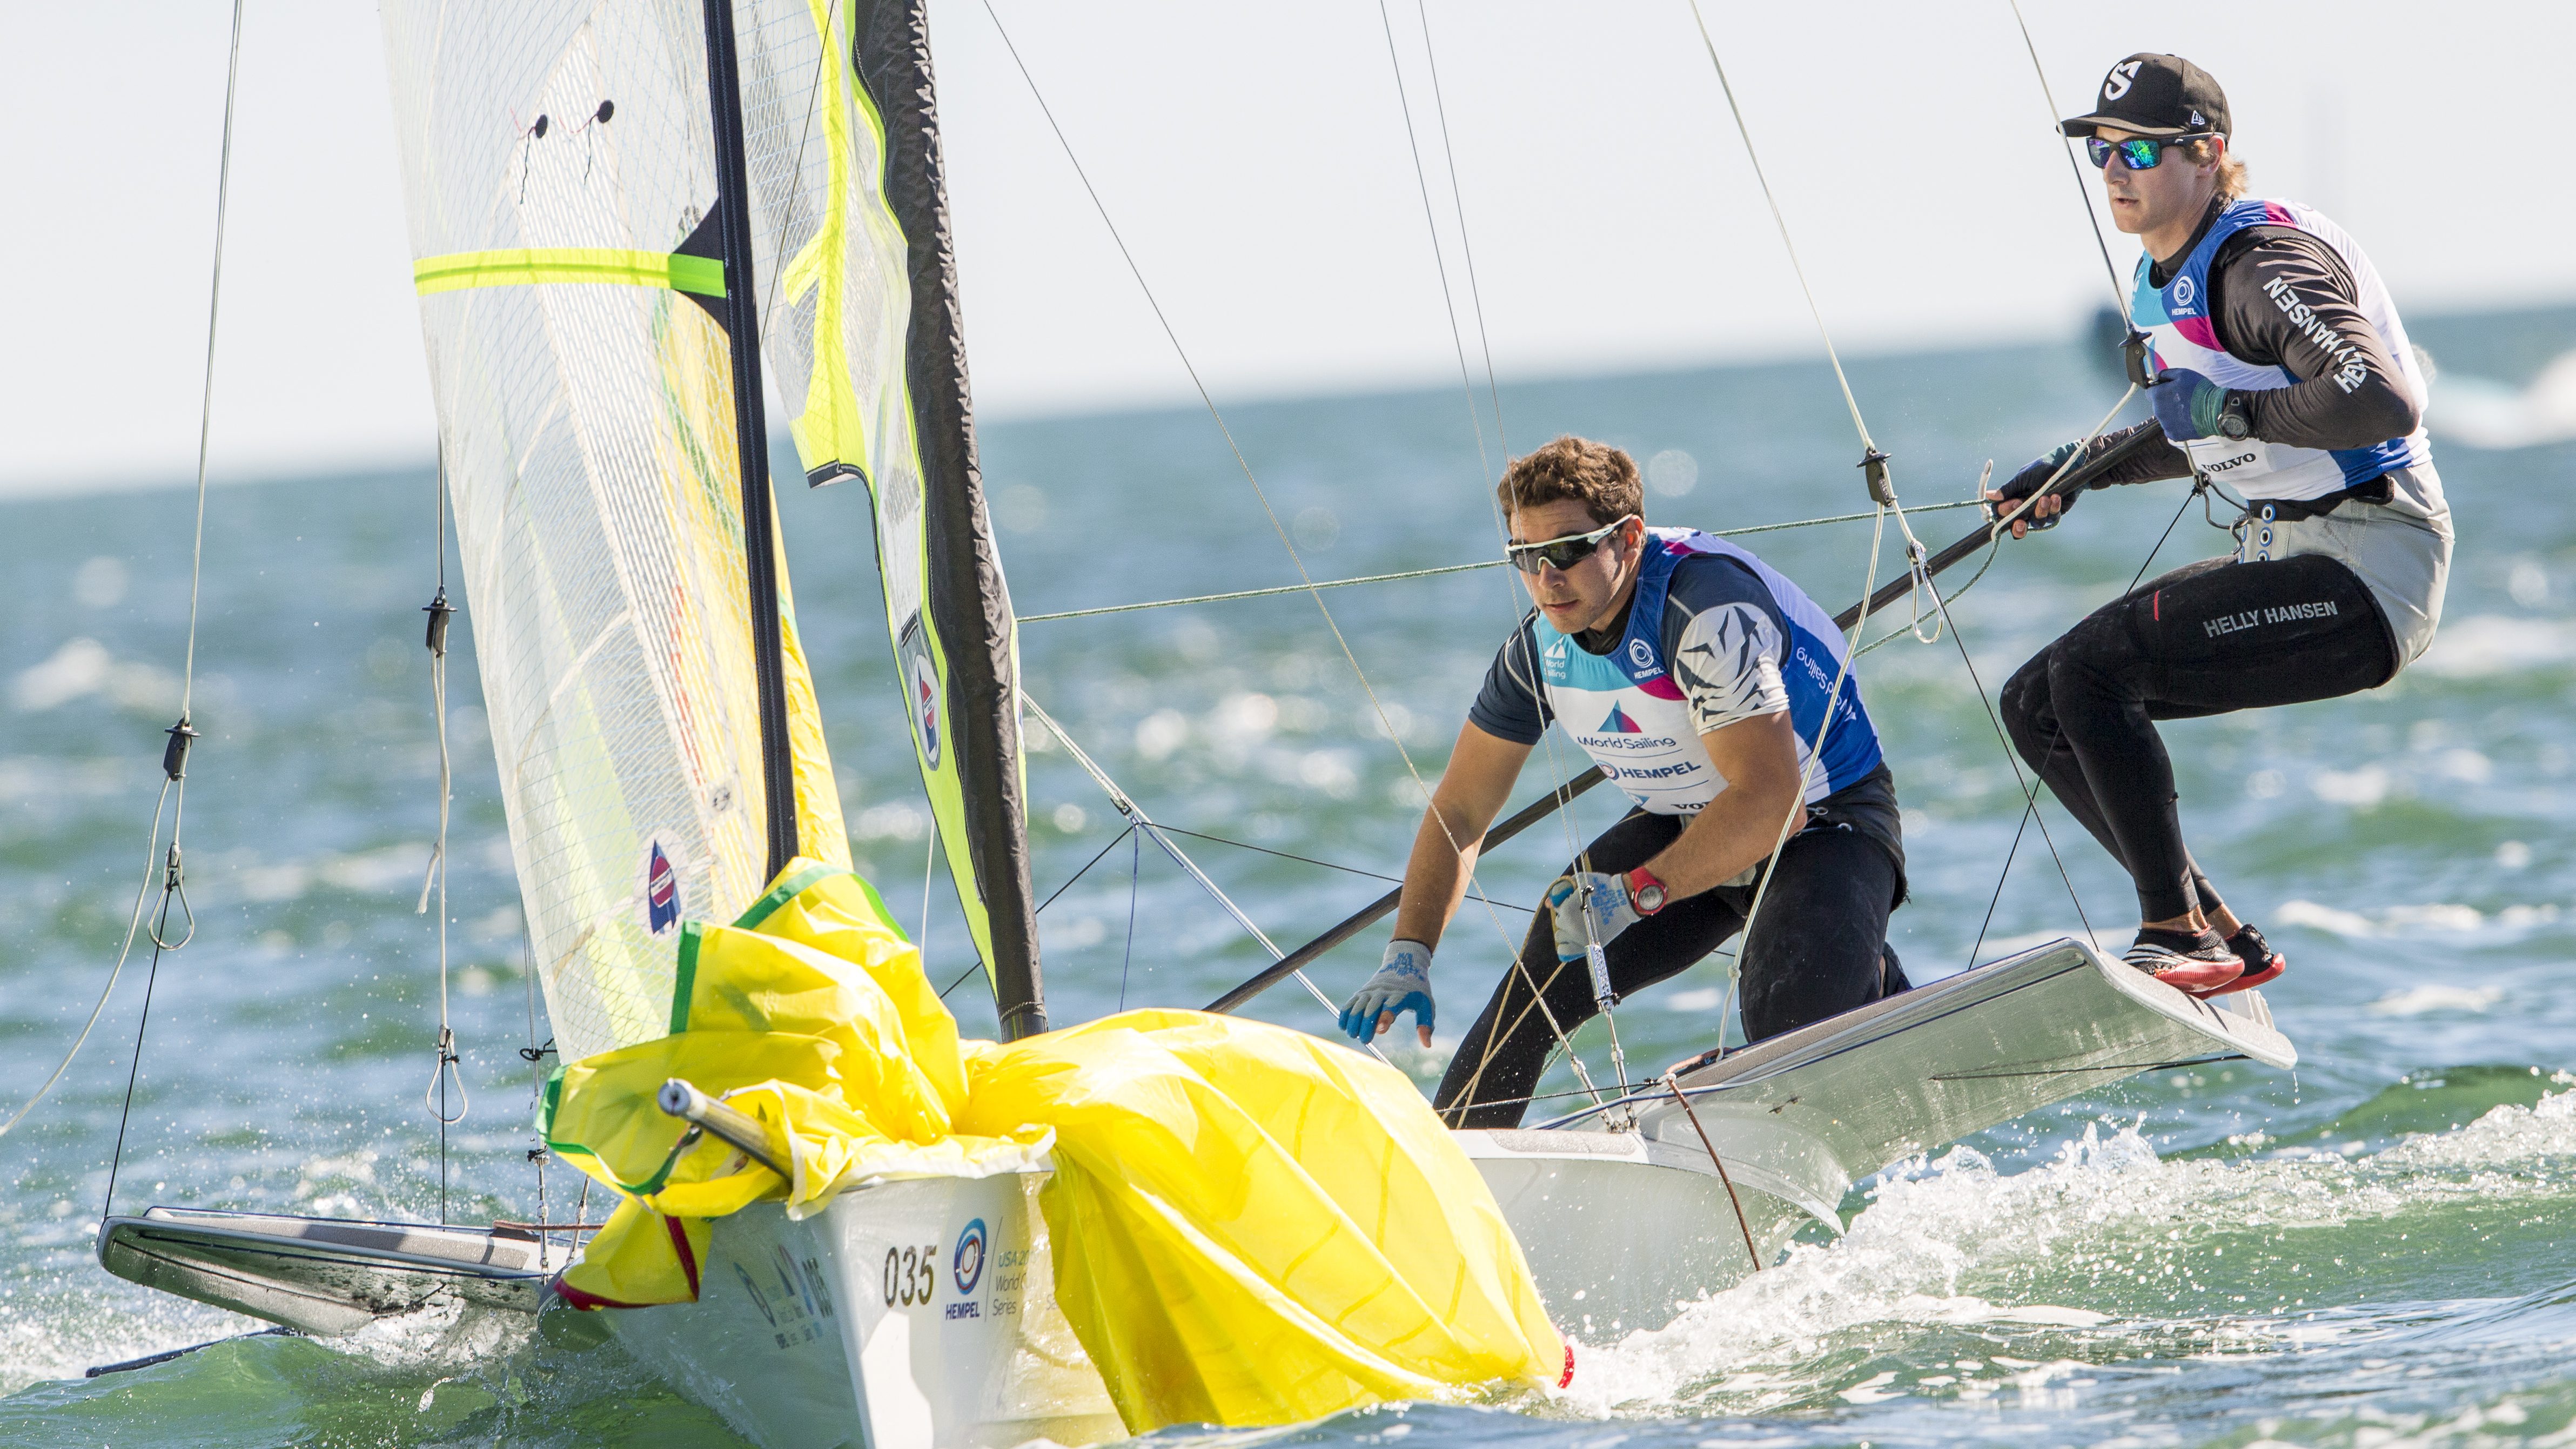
(1626, 712)
(2378, 510)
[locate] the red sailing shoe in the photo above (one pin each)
(2262, 963)
(2197, 965)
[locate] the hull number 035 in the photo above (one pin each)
(911, 1275)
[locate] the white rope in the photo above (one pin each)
(133, 925)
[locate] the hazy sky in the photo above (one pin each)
(1255, 159)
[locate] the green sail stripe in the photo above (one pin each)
(684, 976)
(783, 892)
(524, 266)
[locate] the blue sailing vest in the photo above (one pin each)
(2176, 319)
(1626, 712)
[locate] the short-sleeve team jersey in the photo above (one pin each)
(1714, 636)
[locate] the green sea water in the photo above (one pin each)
(2376, 1249)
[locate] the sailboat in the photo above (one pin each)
(623, 217)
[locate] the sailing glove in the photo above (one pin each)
(1403, 984)
(2187, 404)
(1601, 896)
(2033, 477)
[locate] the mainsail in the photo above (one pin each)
(861, 324)
(561, 170)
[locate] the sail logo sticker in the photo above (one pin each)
(2116, 84)
(923, 678)
(661, 892)
(967, 1264)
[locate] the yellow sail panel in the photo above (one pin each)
(1251, 1225)
(862, 341)
(588, 435)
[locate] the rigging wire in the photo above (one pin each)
(1782, 222)
(1126, 805)
(1458, 206)
(1503, 527)
(1208, 399)
(2030, 794)
(2083, 191)
(448, 1066)
(1295, 559)
(174, 756)
(1431, 223)
(1406, 574)
(1882, 494)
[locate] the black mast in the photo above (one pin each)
(751, 434)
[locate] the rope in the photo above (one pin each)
(434, 1096)
(134, 1066)
(1882, 494)
(1135, 884)
(133, 926)
(1673, 1084)
(1430, 222)
(535, 1056)
(2083, 192)
(1448, 568)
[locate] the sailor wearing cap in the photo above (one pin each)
(2282, 379)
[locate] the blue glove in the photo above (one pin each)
(2187, 404)
(1403, 984)
(1603, 897)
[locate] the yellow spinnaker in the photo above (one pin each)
(1251, 1225)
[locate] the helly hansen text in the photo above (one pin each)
(2229, 624)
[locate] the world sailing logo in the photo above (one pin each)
(1620, 724)
(661, 892)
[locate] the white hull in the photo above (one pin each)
(875, 1323)
(923, 1311)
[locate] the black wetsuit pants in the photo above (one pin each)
(2208, 638)
(1820, 949)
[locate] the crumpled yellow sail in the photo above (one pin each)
(1250, 1226)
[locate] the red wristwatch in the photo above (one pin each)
(1645, 892)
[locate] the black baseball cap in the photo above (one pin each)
(2155, 95)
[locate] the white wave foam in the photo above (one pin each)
(2425, 999)
(2489, 644)
(1917, 1255)
(2430, 916)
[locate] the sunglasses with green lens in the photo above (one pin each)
(2138, 153)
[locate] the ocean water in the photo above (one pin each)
(2377, 1249)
